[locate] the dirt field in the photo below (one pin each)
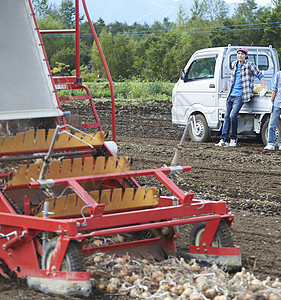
(247, 178)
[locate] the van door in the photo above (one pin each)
(197, 91)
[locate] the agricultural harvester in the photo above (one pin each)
(62, 186)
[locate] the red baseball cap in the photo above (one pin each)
(243, 49)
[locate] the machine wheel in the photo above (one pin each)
(223, 236)
(73, 261)
(264, 132)
(201, 131)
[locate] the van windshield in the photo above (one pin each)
(201, 68)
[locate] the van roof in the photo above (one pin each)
(221, 49)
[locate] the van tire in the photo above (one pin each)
(203, 134)
(264, 132)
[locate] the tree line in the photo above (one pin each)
(155, 52)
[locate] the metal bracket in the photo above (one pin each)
(48, 158)
(175, 169)
(46, 183)
(7, 236)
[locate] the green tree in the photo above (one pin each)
(160, 50)
(272, 17)
(118, 53)
(156, 66)
(139, 46)
(67, 13)
(118, 27)
(41, 8)
(213, 10)
(106, 42)
(99, 26)
(64, 56)
(54, 42)
(244, 19)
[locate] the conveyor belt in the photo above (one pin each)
(26, 89)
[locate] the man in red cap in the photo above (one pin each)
(241, 90)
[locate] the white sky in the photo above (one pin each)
(260, 2)
(140, 11)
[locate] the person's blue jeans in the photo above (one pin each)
(233, 106)
(274, 117)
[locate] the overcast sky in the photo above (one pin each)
(140, 11)
(260, 2)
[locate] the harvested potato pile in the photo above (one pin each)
(175, 279)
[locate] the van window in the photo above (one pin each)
(261, 61)
(201, 68)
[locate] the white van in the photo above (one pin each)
(202, 89)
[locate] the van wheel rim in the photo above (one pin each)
(199, 129)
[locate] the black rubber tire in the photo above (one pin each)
(73, 261)
(223, 236)
(264, 132)
(203, 134)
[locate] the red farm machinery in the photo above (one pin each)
(67, 186)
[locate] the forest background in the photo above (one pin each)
(146, 59)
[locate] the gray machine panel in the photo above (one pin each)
(26, 89)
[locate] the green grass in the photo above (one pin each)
(129, 89)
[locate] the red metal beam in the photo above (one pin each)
(215, 250)
(42, 224)
(149, 226)
(95, 208)
(77, 39)
(184, 198)
(155, 214)
(121, 246)
(106, 70)
(112, 176)
(67, 79)
(50, 31)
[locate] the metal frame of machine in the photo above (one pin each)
(98, 196)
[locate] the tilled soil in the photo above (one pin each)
(248, 178)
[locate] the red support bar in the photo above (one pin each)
(93, 108)
(215, 250)
(13, 242)
(184, 198)
(121, 246)
(59, 253)
(150, 226)
(85, 97)
(209, 233)
(106, 70)
(50, 31)
(92, 125)
(77, 35)
(77, 79)
(42, 224)
(26, 205)
(67, 79)
(110, 176)
(71, 98)
(95, 208)
(156, 214)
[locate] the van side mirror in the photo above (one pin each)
(182, 74)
